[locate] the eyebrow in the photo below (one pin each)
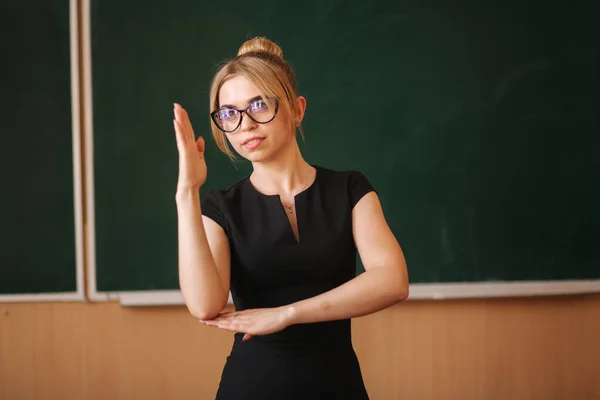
(252, 100)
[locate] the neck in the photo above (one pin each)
(285, 175)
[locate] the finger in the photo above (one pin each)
(177, 119)
(200, 145)
(228, 314)
(222, 321)
(232, 327)
(185, 119)
(209, 322)
(178, 128)
(219, 317)
(229, 319)
(180, 138)
(213, 324)
(177, 111)
(182, 117)
(237, 321)
(249, 311)
(246, 337)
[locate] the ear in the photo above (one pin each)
(300, 109)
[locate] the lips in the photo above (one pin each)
(252, 143)
(251, 139)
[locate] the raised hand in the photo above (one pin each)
(192, 166)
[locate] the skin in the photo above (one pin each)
(278, 168)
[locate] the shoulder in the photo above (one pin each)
(353, 183)
(339, 176)
(217, 203)
(226, 195)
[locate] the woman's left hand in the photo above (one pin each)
(260, 321)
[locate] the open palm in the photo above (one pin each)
(192, 166)
(254, 322)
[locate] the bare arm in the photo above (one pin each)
(384, 282)
(204, 254)
(204, 258)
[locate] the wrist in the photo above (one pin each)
(290, 315)
(187, 192)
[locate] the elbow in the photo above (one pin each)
(404, 287)
(204, 304)
(402, 293)
(396, 291)
(394, 285)
(205, 310)
(202, 315)
(398, 294)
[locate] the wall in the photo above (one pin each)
(486, 349)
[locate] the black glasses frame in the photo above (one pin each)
(214, 114)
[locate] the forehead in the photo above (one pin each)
(237, 91)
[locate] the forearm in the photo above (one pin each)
(199, 279)
(369, 292)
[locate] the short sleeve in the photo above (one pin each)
(211, 208)
(359, 186)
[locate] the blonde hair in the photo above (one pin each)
(261, 62)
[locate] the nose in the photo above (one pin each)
(247, 124)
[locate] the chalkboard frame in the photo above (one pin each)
(79, 294)
(418, 291)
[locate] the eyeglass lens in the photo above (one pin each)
(261, 111)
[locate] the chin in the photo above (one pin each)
(257, 155)
(252, 156)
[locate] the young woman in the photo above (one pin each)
(283, 241)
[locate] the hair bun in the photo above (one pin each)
(260, 44)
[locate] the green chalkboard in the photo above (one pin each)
(36, 155)
(477, 122)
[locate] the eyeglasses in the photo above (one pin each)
(260, 110)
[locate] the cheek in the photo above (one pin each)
(281, 136)
(284, 130)
(231, 142)
(282, 125)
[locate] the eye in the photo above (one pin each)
(226, 114)
(259, 105)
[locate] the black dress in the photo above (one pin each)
(270, 268)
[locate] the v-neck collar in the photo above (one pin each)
(276, 196)
(274, 200)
